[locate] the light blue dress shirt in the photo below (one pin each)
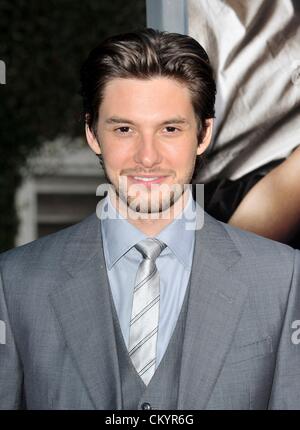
(174, 266)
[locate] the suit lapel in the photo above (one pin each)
(82, 306)
(214, 308)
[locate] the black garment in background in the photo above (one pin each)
(222, 196)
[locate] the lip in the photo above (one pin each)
(149, 179)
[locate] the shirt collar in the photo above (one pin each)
(119, 235)
(178, 238)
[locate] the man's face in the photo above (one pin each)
(147, 132)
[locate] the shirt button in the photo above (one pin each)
(146, 406)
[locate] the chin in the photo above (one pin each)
(148, 205)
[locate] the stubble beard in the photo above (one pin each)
(158, 199)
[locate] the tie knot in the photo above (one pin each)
(150, 248)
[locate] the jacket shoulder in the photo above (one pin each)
(257, 245)
(275, 260)
(43, 254)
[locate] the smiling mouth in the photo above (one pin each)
(146, 179)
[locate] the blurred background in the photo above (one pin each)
(48, 177)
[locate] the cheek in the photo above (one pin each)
(183, 156)
(115, 156)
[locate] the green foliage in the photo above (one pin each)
(43, 44)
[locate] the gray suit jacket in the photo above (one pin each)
(240, 347)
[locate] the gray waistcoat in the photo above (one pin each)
(162, 391)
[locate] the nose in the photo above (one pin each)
(148, 152)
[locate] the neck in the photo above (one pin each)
(151, 223)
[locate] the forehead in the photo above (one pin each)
(141, 98)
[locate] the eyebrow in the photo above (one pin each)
(118, 120)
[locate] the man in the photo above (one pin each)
(145, 306)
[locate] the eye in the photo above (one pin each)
(123, 130)
(171, 130)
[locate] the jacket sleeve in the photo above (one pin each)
(11, 375)
(286, 383)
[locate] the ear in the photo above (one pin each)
(92, 140)
(202, 146)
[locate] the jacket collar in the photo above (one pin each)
(215, 304)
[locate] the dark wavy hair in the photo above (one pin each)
(146, 54)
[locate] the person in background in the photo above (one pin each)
(251, 168)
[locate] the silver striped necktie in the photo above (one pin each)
(145, 310)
